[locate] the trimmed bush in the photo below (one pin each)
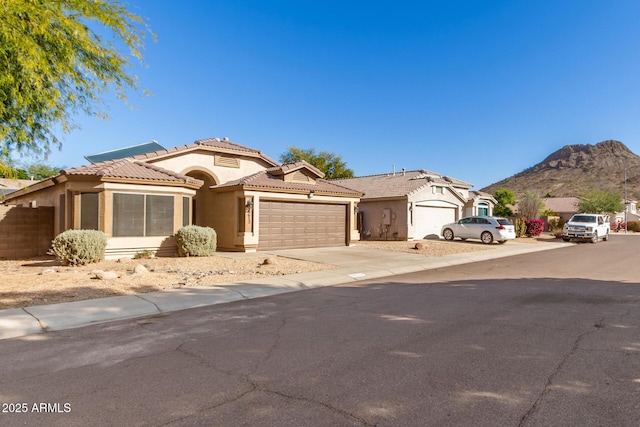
(633, 226)
(79, 247)
(535, 227)
(194, 240)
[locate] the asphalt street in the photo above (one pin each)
(543, 339)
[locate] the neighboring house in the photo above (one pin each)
(564, 207)
(251, 201)
(413, 205)
(8, 185)
(631, 209)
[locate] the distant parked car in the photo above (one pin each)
(586, 226)
(485, 228)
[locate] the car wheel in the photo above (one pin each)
(606, 237)
(448, 234)
(486, 238)
(594, 238)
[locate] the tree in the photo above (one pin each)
(600, 201)
(56, 58)
(504, 197)
(329, 163)
(530, 205)
(37, 171)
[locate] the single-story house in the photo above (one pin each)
(414, 205)
(252, 201)
(564, 207)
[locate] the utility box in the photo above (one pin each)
(386, 216)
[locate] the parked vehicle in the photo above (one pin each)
(485, 228)
(587, 226)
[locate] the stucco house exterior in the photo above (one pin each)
(252, 201)
(414, 205)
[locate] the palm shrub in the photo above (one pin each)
(194, 240)
(79, 247)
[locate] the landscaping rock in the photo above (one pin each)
(269, 261)
(47, 271)
(104, 275)
(140, 269)
(420, 246)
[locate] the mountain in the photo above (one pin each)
(575, 169)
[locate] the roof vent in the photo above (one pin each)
(225, 139)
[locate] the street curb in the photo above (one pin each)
(19, 322)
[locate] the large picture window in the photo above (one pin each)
(142, 215)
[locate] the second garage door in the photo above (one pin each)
(285, 225)
(429, 220)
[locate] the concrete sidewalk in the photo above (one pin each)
(355, 263)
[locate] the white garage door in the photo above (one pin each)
(428, 220)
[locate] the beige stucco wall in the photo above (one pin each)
(204, 161)
(374, 216)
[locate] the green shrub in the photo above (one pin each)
(145, 254)
(79, 247)
(633, 226)
(520, 227)
(194, 240)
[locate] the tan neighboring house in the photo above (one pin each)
(251, 201)
(414, 205)
(9, 185)
(564, 207)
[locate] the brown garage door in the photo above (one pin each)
(301, 225)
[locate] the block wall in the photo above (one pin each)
(25, 232)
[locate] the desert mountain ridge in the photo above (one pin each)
(575, 169)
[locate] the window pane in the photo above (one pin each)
(128, 214)
(159, 216)
(89, 211)
(185, 211)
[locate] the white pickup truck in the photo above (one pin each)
(586, 226)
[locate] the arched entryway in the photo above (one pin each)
(202, 208)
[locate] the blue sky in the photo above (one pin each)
(478, 90)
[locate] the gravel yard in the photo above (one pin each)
(44, 281)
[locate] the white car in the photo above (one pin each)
(485, 228)
(586, 226)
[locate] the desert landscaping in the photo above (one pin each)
(44, 281)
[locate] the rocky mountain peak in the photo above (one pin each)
(578, 168)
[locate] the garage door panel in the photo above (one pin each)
(428, 220)
(298, 225)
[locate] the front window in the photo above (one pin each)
(89, 211)
(583, 218)
(142, 215)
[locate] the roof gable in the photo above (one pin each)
(399, 184)
(215, 145)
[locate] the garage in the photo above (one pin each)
(286, 225)
(428, 220)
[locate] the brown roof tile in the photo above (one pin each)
(398, 184)
(223, 144)
(127, 168)
(272, 179)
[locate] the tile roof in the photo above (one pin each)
(561, 204)
(130, 169)
(212, 143)
(272, 179)
(397, 185)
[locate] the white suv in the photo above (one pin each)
(586, 226)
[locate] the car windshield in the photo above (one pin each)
(583, 218)
(504, 221)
